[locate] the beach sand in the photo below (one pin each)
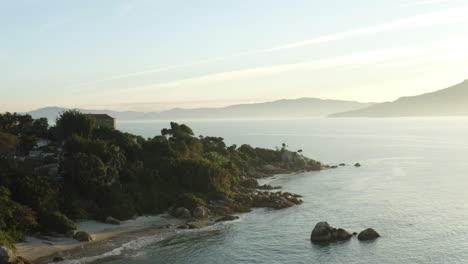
(42, 249)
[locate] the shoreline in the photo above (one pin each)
(110, 240)
(43, 249)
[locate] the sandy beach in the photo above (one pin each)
(41, 249)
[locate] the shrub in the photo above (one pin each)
(56, 222)
(190, 200)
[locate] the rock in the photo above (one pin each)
(342, 164)
(111, 220)
(181, 212)
(342, 234)
(333, 167)
(268, 187)
(58, 259)
(357, 165)
(368, 234)
(6, 255)
(83, 236)
(321, 232)
(21, 260)
(183, 227)
(193, 225)
(249, 183)
(354, 233)
(201, 212)
(227, 218)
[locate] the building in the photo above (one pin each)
(104, 120)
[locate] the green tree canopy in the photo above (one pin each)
(73, 122)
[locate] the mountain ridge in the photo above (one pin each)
(451, 101)
(283, 108)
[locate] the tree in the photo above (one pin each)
(73, 122)
(84, 171)
(8, 143)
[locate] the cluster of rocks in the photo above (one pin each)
(7, 256)
(268, 187)
(277, 200)
(323, 232)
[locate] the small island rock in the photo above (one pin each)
(321, 232)
(368, 234)
(357, 165)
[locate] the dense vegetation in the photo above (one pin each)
(99, 172)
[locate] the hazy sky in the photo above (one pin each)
(152, 55)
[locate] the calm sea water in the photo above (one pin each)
(412, 188)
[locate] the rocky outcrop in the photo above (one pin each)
(368, 234)
(268, 187)
(111, 220)
(6, 255)
(227, 218)
(201, 212)
(249, 182)
(83, 236)
(181, 212)
(324, 232)
(357, 165)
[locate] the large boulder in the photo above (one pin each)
(181, 212)
(111, 220)
(6, 255)
(368, 234)
(83, 236)
(321, 232)
(201, 212)
(341, 234)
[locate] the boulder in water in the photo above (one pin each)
(368, 234)
(357, 165)
(321, 232)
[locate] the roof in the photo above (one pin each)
(100, 116)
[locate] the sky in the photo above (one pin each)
(151, 55)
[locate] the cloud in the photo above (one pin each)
(377, 56)
(425, 2)
(445, 16)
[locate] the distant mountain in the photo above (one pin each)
(294, 108)
(452, 101)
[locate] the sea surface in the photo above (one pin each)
(412, 188)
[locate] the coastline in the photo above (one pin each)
(111, 240)
(43, 249)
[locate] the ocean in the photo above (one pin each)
(412, 188)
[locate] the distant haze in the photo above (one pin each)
(452, 101)
(297, 108)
